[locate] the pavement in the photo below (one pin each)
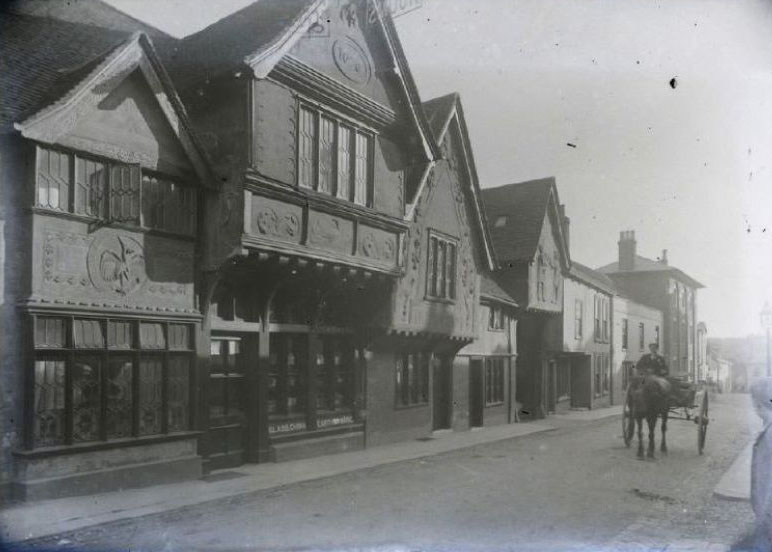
(735, 484)
(33, 520)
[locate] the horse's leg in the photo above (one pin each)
(639, 421)
(652, 422)
(663, 446)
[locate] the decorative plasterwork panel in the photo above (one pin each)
(330, 232)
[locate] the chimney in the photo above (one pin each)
(627, 250)
(566, 225)
(663, 258)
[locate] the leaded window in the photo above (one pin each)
(494, 381)
(334, 157)
(441, 268)
(99, 379)
(412, 379)
(116, 192)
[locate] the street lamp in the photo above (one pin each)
(766, 323)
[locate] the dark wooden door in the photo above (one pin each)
(225, 441)
(441, 393)
(476, 399)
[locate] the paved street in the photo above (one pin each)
(571, 488)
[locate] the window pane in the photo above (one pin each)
(450, 271)
(53, 179)
(86, 395)
(432, 267)
(440, 285)
(326, 154)
(49, 403)
(124, 193)
(151, 336)
(344, 162)
(119, 392)
(87, 334)
(49, 332)
(150, 386)
(306, 147)
(179, 393)
(120, 334)
(361, 169)
(179, 336)
(90, 187)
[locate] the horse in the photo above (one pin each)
(649, 397)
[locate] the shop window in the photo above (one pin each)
(597, 375)
(287, 387)
(87, 388)
(335, 375)
(412, 379)
(116, 192)
(334, 158)
(606, 379)
(494, 381)
(441, 272)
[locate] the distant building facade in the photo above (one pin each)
(584, 368)
(529, 230)
(657, 284)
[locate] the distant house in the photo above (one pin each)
(635, 327)
(529, 230)
(584, 368)
(659, 285)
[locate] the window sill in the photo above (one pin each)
(411, 406)
(444, 300)
(100, 222)
(63, 450)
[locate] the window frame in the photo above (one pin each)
(494, 381)
(107, 215)
(441, 285)
(406, 396)
(355, 130)
(578, 319)
(69, 353)
(641, 336)
(497, 318)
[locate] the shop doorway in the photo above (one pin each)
(225, 440)
(476, 399)
(441, 393)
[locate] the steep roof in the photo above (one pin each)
(439, 112)
(226, 43)
(524, 205)
(41, 58)
(591, 277)
(491, 290)
(643, 265)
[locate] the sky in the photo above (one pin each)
(687, 168)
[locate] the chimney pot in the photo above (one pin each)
(663, 259)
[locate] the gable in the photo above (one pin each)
(129, 124)
(347, 44)
(124, 108)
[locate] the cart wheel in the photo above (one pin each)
(628, 424)
(701, 419)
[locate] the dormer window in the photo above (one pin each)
(334, 156)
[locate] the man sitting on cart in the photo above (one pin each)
(653, 366)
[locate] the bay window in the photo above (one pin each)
(102, 379)
(334, 157)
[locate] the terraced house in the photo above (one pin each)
(252, 244)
